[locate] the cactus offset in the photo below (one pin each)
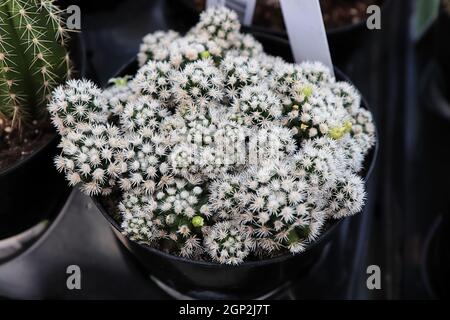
(33, 59)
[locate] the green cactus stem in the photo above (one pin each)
(33, 59)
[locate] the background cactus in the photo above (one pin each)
(33, 59)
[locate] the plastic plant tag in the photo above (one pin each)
(244, 8)
(306, 31)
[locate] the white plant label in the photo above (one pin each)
(244, 8)
(306, 31)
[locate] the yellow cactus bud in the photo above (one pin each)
(205, 54)
(348, 126)
(337, 132)
(197, 221)
(307, 91)
(120, 82)
(303, 126)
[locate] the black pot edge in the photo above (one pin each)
(245, 264)
(373, 154)
(63, 207)
(82, 71)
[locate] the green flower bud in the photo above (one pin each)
(205, 54)
(337, 133)
(120, 82)
(197, 221)
(348, 126)
(303, 127)
(307, 91)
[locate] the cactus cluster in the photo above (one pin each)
(215, 149)
(33, 60)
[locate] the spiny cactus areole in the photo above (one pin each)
(33, 59)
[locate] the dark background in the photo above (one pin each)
(402, 228)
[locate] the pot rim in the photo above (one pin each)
(78, 39)
(51, 226)
(328, 226)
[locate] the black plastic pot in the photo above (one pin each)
(249, 280)
(443, 49)
(32, 190)
(345, 40)
(437, 258)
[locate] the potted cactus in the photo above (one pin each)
(344, 22)
(222, 168)
(33, 61)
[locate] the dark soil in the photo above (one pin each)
(446, 5)
(15, 146)
(336, 13)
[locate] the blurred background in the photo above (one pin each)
(402, 70)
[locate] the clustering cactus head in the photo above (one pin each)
(229, 243)
(215, 150)
(33, 59)
(77, 104)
